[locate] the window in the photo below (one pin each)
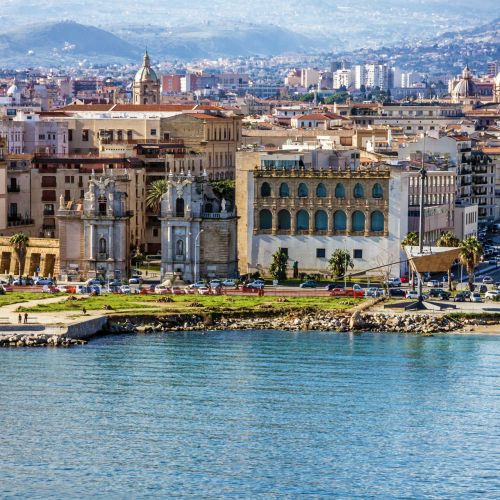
(377, 191)
(153, 131)
(358, 253)
(155, 232)
(302, 220)
(284, 191)
(102, 204)
(321, 190)
(265, 219)
(179, 207)
(48, 209)
(70, 135)
(67, 195)
(284, 220)
(49, 181)
(320, 253)
(41, 137)
(265, 190)
(339, 191)
(339, 221)
(85, 135)
(13, 210)
(320, 221)
(358, 192)
(358, 221)
(302, 191)
(377, 221)
(67, 179)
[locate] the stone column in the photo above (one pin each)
(110, 243)
(92, 242)
(293, 222)
(367, 223)
(348, 215)
(274, 220)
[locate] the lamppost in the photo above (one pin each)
(196, 255)
(423, 178)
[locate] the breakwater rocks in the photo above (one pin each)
(38, 340)
(293, 321)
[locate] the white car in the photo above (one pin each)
(204, 290)
(476, 297)
(491, 294)
(412, 294)
(215, 283)
(125, 289)
(162, 289)
(198, 284)
(488, 280)
(394, 282)
(229, 282)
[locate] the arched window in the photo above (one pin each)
(377, 191)
(302, 191)
(358, 221)
(102, 245)
(179, 207)
(284, 191)
(359, 192)
(284, 220)
(339, 190)
(321, 190)
(179, 247)
(265, 219)
(209, 208)
(377, 221)
(265, 190)
(302, 220)
(339, 220)
(320, 221)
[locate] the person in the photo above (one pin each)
(84, 310)
(20, 319)
(25, 317)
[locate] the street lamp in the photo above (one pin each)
(196, 255)
(423, 178)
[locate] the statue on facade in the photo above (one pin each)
(223, 205)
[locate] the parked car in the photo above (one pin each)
(432, 283)
(43, 281)
(94, 281)
(22, 282)
(125, 289)
(437, 292)
(394, 282)
(491, 294)
(476, 297)
(396, 292)
(460, 297)
(412, 294)
(162, 289)
(308, 284)
(135, 280)
(204, 290)
(50, 289)
(444, 295)
(229, 282)
(257, 285)
(176, 290)
(215, 283)
(81, 289)
(198, 284)
(483, 289)
(488, 280)
(331, 286)
(373, 291)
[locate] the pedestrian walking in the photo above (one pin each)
(84, 310)
(20, 319)
(25, 317)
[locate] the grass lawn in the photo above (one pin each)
(195, 303)
(15, 297)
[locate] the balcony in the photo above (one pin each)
(17, 220)
(13, 189)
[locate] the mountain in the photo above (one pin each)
(63, 41)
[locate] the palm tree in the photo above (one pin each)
(448, 239)
(20, 243)
(339, 262)
(411, 240)
(153, 196)
(471, 251)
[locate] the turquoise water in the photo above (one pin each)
(253, 415)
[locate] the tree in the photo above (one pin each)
(224, 189)
(340, 262)
(153, 196)
(448, 239)
(471, 251)
(20, 243)
(411, 240)
(279, 265)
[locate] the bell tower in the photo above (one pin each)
(146, 86)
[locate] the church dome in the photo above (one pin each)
(465, 86)
(146, 73)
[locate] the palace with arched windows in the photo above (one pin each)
(310, 211)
